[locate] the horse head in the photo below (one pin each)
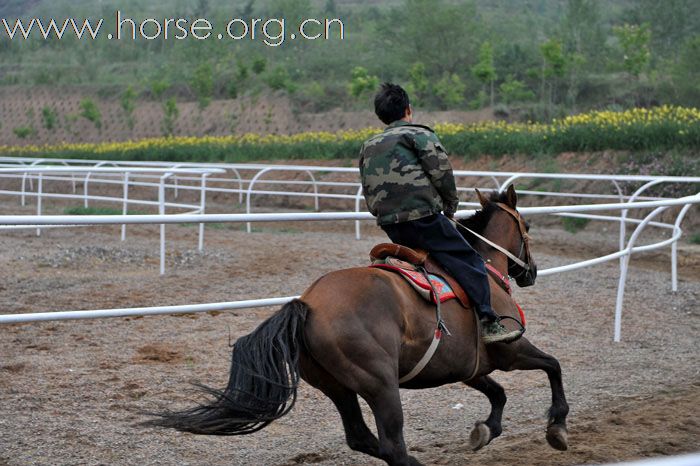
(502, 225)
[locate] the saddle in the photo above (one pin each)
(435, 285)
(408, 263)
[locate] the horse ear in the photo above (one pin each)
(482, 199)
(511, 197)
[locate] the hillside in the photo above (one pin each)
(23, 109)
(548, 57)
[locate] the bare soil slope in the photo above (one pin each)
(21, 107)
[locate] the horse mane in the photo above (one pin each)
(481, 218)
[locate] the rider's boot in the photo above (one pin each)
(492, 331)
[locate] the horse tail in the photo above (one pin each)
(263, 383)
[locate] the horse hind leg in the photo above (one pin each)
(385, 404)
(529, 357)
(388, 414)
(484, 432)
(357, 434)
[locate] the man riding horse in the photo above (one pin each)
(409, 186)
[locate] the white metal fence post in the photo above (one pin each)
(125, 202)
(674, 246)
(161, 211)
(202, 205)
(624, 267)
(358, 199)
(39, 191)
(313, 181)
(249, 193)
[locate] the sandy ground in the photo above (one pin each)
(71, 391)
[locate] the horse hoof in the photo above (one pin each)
(557, 437)
(480, 436)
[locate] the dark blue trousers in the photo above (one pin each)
(438, 235)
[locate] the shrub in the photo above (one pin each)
(49, 118)
(574, 224)
(278, 79)
(90, 111)
(128, 106)
(170, 114)
(24, 132)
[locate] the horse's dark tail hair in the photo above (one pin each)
(263, 383)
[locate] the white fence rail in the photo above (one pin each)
(692, 459)
(169, 176)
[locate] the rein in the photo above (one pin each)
(508, 254)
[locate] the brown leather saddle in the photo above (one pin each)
(419, 258)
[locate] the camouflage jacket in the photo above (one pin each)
(406, 174)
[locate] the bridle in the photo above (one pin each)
(522, 262)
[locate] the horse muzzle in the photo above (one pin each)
(528, 277)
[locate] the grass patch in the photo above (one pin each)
(694, 238)
(574, 224)
(211, 226)
(99, 211)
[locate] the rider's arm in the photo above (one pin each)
(436, 164)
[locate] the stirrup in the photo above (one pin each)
(507, 337)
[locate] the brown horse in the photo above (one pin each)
(358, 331)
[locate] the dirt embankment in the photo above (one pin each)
(22, 107)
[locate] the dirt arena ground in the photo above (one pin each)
(71, 392)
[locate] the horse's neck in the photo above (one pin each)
(496, 258)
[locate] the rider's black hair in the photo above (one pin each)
(390, 103)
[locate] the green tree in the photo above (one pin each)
(513, 90)
(242, 70)
(202, 83)
(203, 9)
(331, 8)
(553, 67)
(361, 82)
(686, 73)
(418, 82)
(170, 115)
(672, 22)
(484, 70)
(433, 31)
(259, 64)
(584, 44)
(291, 10)
(450, 89)
(634, 42)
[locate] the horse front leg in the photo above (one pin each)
(485, 431)
(529, 357)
